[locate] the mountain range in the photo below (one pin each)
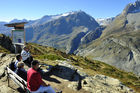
(119, 44)
(63, 31)
(114, 41)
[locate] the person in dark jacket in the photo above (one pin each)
(21, 71)
(18, 59)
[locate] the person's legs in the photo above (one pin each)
(25, 61)
(30, 59)
(47, 89)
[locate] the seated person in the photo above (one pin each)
(34, 81)
(18, 59)
(21, 71)
(26, 57)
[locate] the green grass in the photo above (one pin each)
(50, 57)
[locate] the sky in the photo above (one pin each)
(35, 9)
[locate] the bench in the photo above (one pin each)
(17, 79)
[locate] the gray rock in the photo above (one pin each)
(102, 84)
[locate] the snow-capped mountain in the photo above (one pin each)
(62, 31)
(49, 18)
(41, 21)
(17, 20)
(59, 31)
(105, 21)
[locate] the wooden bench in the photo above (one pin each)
(17, 79)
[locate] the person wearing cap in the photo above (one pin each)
(26, 57)
(34, 81)
(20, 71)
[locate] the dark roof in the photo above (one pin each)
(15, 24)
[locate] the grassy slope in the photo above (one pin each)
(91, 67)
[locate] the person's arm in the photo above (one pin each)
(44, 84)
(40, 81)
(25, 54)
(24, 75)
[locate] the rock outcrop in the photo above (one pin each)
(93, 84)
(101, 84)
(6, 42)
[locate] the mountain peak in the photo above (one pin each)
(132, 7)
(70, 13)
(67, 13)
(47, 18)
(17, 20)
